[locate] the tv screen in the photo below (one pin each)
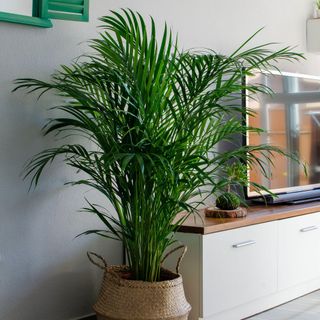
(291, 120)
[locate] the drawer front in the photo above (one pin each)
(239, 266)
(299, 250)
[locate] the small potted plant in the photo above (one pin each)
(228, 202)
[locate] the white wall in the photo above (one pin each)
(44, 274)
(17, 6)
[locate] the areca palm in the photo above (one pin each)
(154, 116)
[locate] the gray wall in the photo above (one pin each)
(44, 273)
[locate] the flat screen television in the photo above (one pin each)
(291, 120)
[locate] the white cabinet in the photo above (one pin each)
(299, 250)
(234, 274)
(239, 266)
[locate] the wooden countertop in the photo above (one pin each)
(256, 214)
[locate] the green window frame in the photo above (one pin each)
(45, 10)
(76, 10)
(37, 19)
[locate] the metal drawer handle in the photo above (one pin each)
(307, 229)
(244, 244)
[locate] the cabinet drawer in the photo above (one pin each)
(299, 250)
(239, 266)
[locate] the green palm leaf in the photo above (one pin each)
(154, 117)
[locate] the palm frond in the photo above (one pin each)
(154, 117)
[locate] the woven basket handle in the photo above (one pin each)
(102, 266)
(180, 257)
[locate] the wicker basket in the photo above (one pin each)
(138, 300)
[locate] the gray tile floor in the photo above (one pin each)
(304, 308)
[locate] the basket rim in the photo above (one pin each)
(113, 272)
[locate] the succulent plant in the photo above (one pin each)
(228, 201)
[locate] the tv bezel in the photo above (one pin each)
(253, 195)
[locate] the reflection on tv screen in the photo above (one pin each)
(291, 120)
